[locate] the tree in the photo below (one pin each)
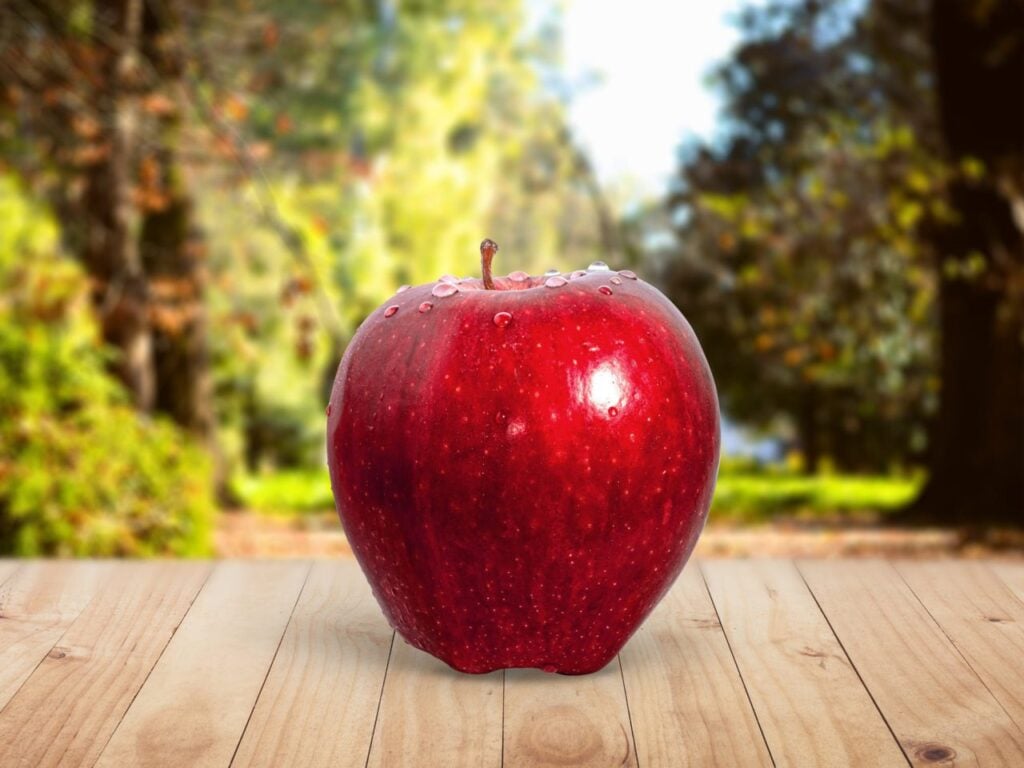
(93, 103)
(393, 146)
(275, 171)
(69, 94)
(977, 464)
(799, 260)
(172, 247)
(889, 145)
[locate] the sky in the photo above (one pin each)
(650, 59)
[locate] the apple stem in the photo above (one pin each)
(487, 250)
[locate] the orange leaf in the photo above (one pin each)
(158, 104)
(235, 108)
(85, 126)
(283, 124)
(271, 34)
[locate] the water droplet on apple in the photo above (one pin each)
(552, 272)
(628, 274)
(443, 290)
(390, 310)
(605, 290)
(502, 319)
(557, 281)
(577, 273)
(616, 281)
(613, 411)
(597, 266)
(402, 289)
(447, 279)
(426, 306)
(518, 276)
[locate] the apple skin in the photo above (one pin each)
(523, 495)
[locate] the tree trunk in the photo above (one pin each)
(808, 429)
(172, 250)
(108, 247)
(173, 253)
(977, 461)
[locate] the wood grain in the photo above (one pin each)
(935, 703)
(686, 699)
(556, 720)
(37, 604)
(7, 569)
(318, 705)
(431, 715)
(65, 712)
(809, 701)
(195, 704)
(982, 618)
(1012, 575)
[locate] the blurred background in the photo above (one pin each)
(201, 201)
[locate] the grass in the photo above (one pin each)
(744, 493)
(744, 497)
(286, 492)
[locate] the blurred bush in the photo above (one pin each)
(80, 472)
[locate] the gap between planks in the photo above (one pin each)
(8, 569)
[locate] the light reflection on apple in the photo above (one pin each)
(605, 388)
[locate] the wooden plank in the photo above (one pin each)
(195, 704)
(431, 715)
(982, 618)
(686, 699)
(37, 604)
(7, 569)
(809, 701)
(320, 699)
(1012, 575)
(65, 712)
(556, 720)
(936, 705)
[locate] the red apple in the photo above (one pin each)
(523, 471)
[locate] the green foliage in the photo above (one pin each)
(80, 472)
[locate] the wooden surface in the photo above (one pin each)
(756, 662)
